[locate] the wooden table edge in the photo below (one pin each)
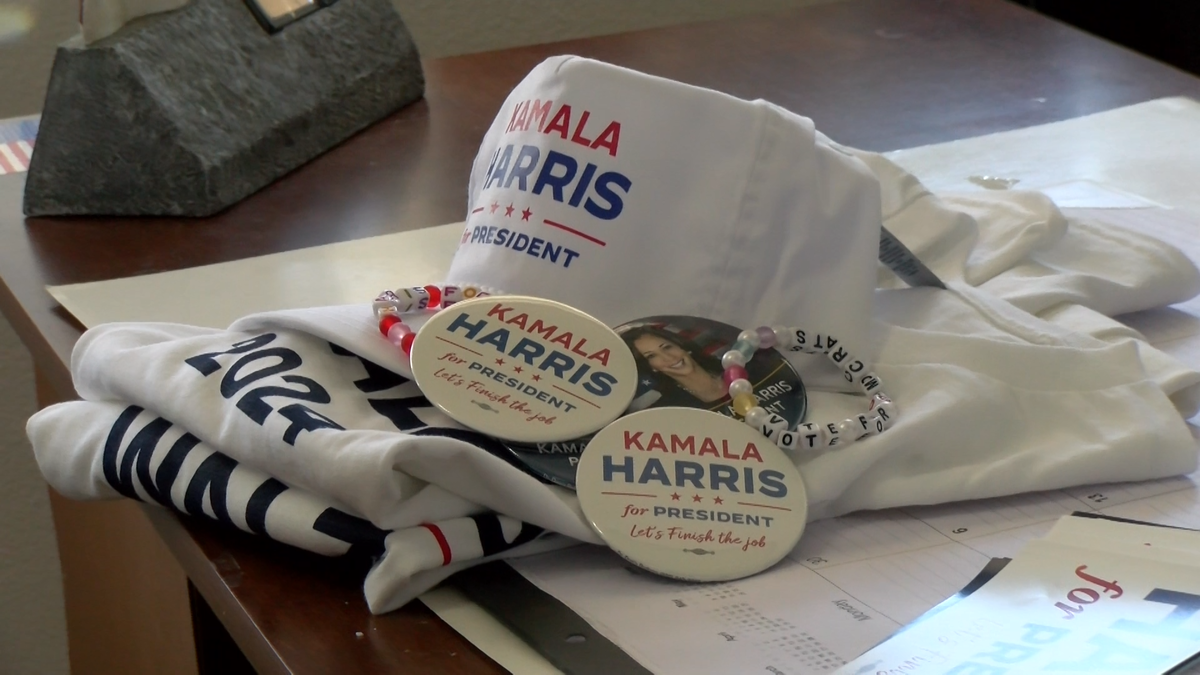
(215, 591)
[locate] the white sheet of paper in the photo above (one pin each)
(1015, 622)
(890, 566)
(215, 295)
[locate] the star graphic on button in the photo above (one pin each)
(499, 362)
(674, 496)
(697, 498)
(493, 207)
(526, 213)
(518, 369)
(537, 378)
(508, 211)
(718, 500)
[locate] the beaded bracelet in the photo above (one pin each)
(881, 411)
(389, 305)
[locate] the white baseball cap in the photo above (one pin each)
(627, 195)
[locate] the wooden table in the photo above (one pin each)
(876, 74)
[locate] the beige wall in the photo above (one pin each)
(32, 627)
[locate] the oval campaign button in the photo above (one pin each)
(523, 369)
(691, 495)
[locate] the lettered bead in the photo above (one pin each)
(832, 437)
(870, 382)
(451, 295)
(383, 308)
(885, 410)
(799, 340)
(412, 299)
(787, 440)
(421, 295)
(828, 343)
(867, 425)
(772, 426)
(852, 368)
(386, 303)
(848, 430)
(824, 342)
(750, 337)
(841, 357)
(743, 403)
(404, 301)
(784, 337)
(756, 416)
(816, 346)
(811, 436)
(732, 358)
(740, 386)
(734, 373)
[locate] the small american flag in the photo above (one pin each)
(16, 143)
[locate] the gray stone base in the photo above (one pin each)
(185, 113)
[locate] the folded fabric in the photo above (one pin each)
(626, 195)
(1018, 246)
(137, 454)
(310, 452)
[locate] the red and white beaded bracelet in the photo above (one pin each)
(389, 305)
(880, 415)
(881, 411)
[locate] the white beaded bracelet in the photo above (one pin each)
(881, 412)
